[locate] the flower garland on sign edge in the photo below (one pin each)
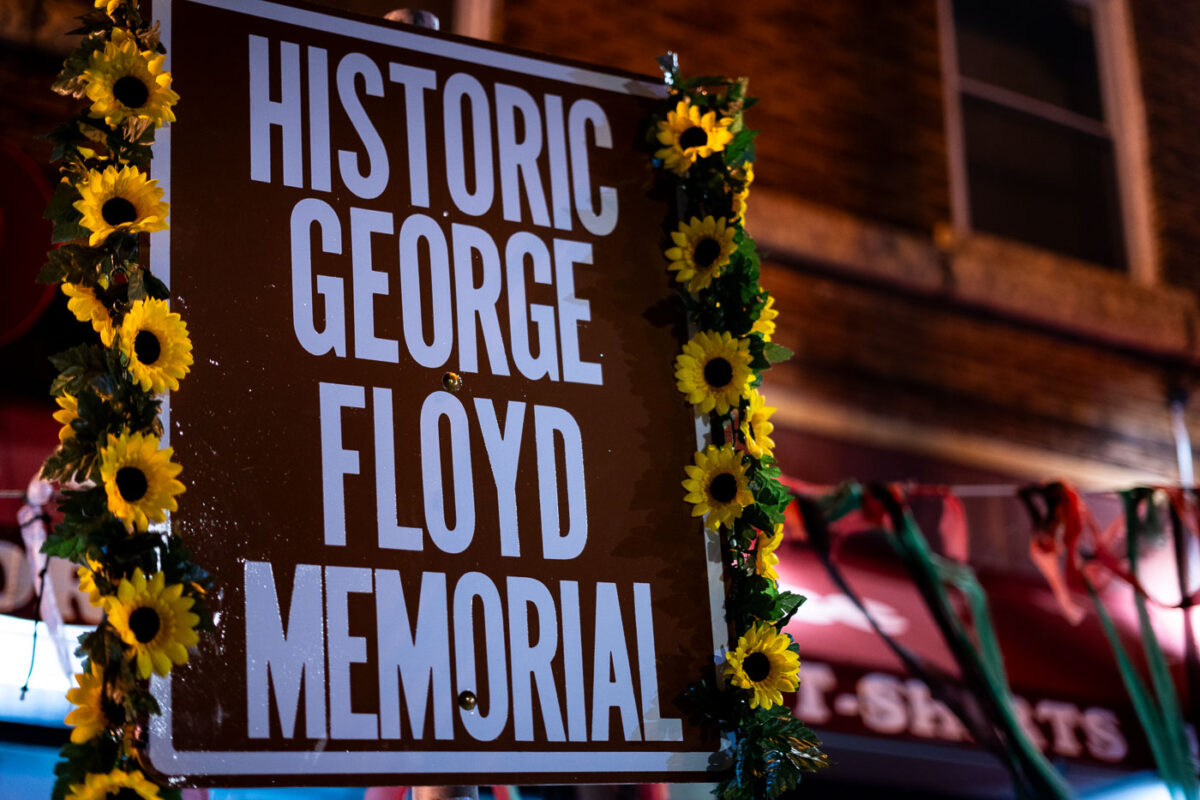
(704, 157)
(118, 482)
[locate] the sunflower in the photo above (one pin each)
(717, 485)
(757, 426)
(97, 711)
(764, 553)
(120, 200)
(765, 324)
(86, 307)
(114, 785)
(154, 620)
(109, 6)
(87, 582)
(139, 479)
(739, 199)
(713, 371)
(763, 663)
(702, 248)
(688, 135)
(125, 82)
(68, 412)
(156, 342)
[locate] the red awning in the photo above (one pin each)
(1064, 678)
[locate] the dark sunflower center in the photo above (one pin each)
(131, 483)
(693, 137)
(718, 372)
(757, 667)
(146, 347)
(117, 210)
(723, 488)
(125, 793)
(706, 252)
(131, 92)
(144, 623)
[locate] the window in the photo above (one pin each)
(1042, 124)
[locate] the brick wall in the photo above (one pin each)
(852, 120)
(1168, 49)
(851, 111)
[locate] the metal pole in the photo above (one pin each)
(1183, 442)
(445, 793)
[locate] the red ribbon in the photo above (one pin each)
(952, 525)
(1057, 547)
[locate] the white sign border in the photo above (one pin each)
(161, 747)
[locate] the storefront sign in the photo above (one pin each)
(431, 457)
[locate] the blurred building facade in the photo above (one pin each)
(979, 219)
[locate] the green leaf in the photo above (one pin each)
(154, 287)
(136, 283)
(70, 80)
(75, 263)
(79, 360)
(142, 702)
(776, 353)
(738, 150)
(786, 606)
(97, 755)
(758, 361)
(60, 546)
(53, 271)
(69, 232)
(759, 516)
(66, 139)
(61, 207)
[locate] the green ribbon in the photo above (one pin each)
(1158, 711)
(979, 659)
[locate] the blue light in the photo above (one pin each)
(1143, 786)
(46, 701)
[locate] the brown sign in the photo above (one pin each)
(432, 441)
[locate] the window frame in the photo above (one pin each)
(1124, 125)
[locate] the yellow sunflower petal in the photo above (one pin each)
(156, 343)
(713, 371)
(764, 664)
(765, 558)
(153, 620)
(136, 477)
(125, 82)
(717, 489)
(765, 324)
(123, 201)
(687, 135)
(756, 426)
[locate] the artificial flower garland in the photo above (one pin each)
(705, 156)
(118, 481)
